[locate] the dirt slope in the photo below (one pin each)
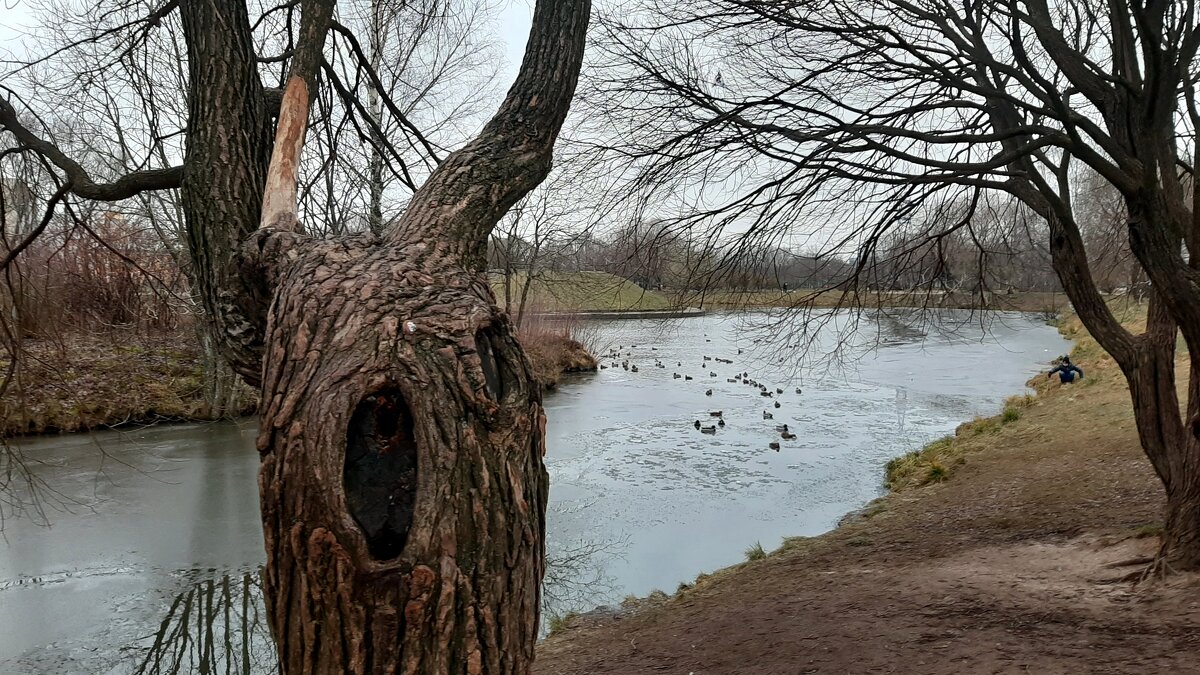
(1002, 568)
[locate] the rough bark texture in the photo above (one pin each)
(229, 144)
(402, 484)
(372, 347)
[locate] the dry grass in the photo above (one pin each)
(556, 347)
(81, 381)
(582, 292)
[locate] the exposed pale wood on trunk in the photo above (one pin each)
(420, 548)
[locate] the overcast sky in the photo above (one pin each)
(512, 26)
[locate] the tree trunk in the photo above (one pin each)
(375, 108)
(402, 481)
(1172, 447)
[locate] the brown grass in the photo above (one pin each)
(556, 347)
(80, 381)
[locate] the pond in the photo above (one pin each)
(143, 556)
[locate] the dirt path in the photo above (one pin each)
(1001, 569)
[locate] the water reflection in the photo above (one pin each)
(218, 623)
(215, 626)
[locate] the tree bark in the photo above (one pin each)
(229, 145)
(401, 432)
(402, 481)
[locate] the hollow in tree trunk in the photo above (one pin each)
(399, 416)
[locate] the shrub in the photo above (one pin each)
(555, 623)
(936, 473)
(755, 552)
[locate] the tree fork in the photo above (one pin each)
(402, 433)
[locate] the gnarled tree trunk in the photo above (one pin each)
(402, 484)
(403, 489)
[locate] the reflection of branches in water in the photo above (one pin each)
(576, 578)
(216, 626)
(22, 491)
(577, 575)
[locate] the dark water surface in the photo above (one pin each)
(148, 561)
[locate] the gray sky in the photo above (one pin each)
(512, 28)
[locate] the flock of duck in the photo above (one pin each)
(738, 378)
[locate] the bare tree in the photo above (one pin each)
(844, 119)
(381, 360)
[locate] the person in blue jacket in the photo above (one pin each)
(1066, 371)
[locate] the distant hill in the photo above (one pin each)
(580, 292)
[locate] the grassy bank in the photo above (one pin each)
(993, 552)
(735, 299)
(82, 381)
(581, 292)
(553, 354)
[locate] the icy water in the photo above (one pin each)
(145, 560)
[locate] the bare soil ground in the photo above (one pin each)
(1002, 568)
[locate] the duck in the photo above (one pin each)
(712, 374)
(710, 429)
(773, 445)
(731, 379)
(766, 394)
(697, 425)
(781, 427)
(633, 369)
(721, 422)
(767, 415)
(777, 404)
(778, 390)
(787, 435)
(676, 376)
(708, 393)
(687, 377)
(716, 413)
(603, 367)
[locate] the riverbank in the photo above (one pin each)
(85, 381)
(1018, 301)
(990, 554)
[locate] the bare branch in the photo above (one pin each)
(82, 184)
